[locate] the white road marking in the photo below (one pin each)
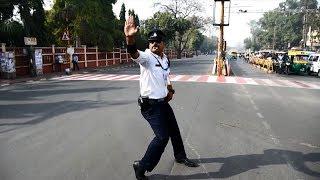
(176, 78)
(260, 115)
(194, 78)
(250, 81)
(309, 145)
(212, 79)
(266, 125)
(231, 80)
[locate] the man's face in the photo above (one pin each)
(156, 46)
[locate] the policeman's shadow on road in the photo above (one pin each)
(238, 164)
(36, 92)
(15, 115)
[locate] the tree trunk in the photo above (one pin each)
(178, 48)
(179, 52)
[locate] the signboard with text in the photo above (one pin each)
(30, 41)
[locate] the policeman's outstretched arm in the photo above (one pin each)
(130, 30)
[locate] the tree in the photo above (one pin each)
(284, 25)
(32, 16)
(181, 14)
(122, 14)
(11, 33)
(93, 22)
(196, 41)
(208, 44)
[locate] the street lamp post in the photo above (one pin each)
(219, 12)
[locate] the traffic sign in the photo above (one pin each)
(65, 37)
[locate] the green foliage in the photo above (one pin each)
(208, 45)
(178, 22)
(33, 19)
(6, 9)
(163, 21)
(283, 25)
(122, 14)
(93, 22)
(11, 33)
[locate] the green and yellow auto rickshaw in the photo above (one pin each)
(297, 62)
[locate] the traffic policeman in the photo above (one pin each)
(155, 92)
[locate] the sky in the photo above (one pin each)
(235, 33)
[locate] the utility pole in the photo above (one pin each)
(221, 42)
(274, 38)
(305, 22)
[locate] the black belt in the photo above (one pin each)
(153, 101)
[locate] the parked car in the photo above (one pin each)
(314, 60)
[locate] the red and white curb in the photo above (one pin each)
(197, 78)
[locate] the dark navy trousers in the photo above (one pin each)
(162, 120)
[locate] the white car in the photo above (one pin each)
(314, 60)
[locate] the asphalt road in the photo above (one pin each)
(92, 130)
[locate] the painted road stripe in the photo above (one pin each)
(280, 82)
(130, 77)
(176, 78)
(312, 85)
(194, 78)
(269, 82)
(291, 84)
(103, 78)
(240, 80)
(250, 81)
(203, 78)
(118, 77)
(260, 82)
(88, 77)
(98, 77)
(231, 80)
(185, 78)
(301, 84)
(221, 79)
(212, 79)
(198, 78)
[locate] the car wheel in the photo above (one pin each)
(318, 73)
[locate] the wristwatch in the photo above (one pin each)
(172, 91)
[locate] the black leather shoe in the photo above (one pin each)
(139, 172)
(187, 162)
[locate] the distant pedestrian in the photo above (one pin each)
(155, 93)
(75, 61)
(58, 63)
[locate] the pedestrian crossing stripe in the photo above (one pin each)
(196, 78)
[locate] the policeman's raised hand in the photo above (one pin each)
(130, 29)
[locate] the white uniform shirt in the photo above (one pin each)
(153, 78)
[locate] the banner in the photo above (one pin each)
(38, 61)
(7, 62)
